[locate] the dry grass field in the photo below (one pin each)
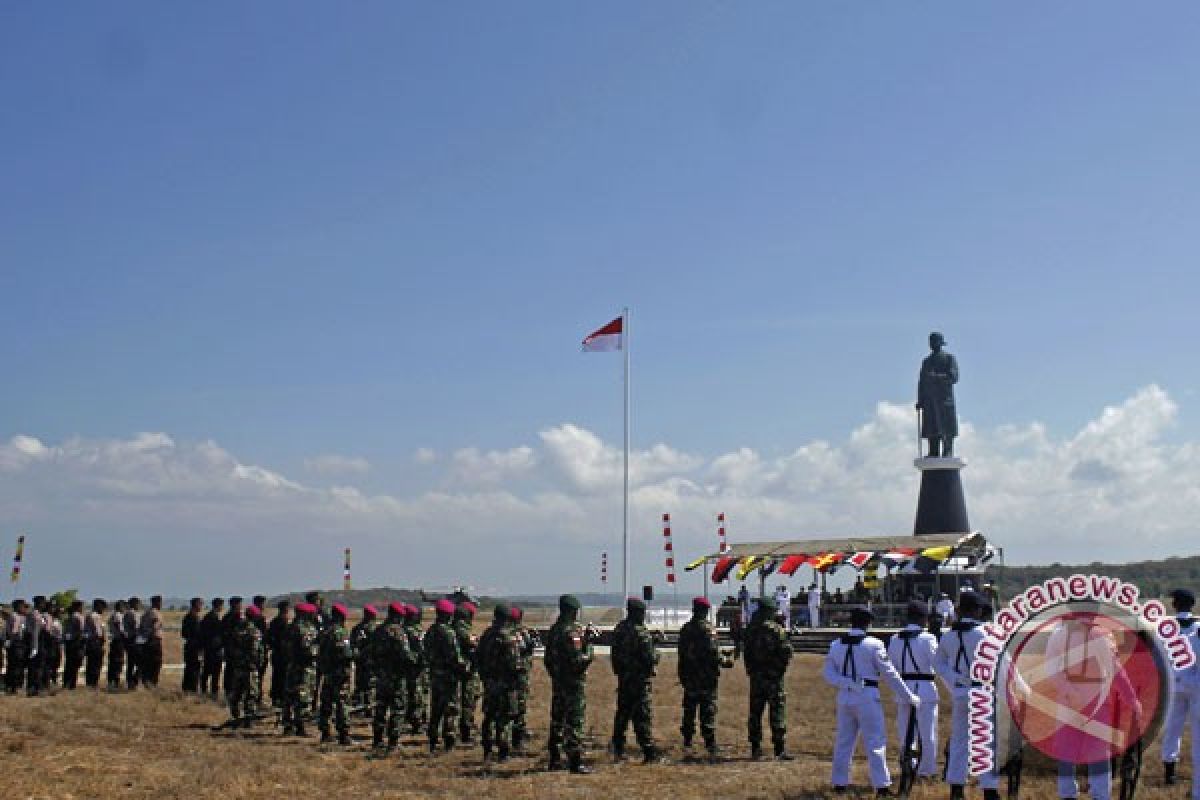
(160, 745)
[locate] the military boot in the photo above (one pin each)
(326, 736)
(652, 755)
(991, 794)
(618, 750)
(576, 765)
(781, 753)
(957, 792)
(503, 754)
(756, 752)
(555, 762)
(715, 756)
(299, 730)
(345, 739)
(1169, 773)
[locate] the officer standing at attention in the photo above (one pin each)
(700, 662)
(276, 644)
(854, 666)
(768, 651)
(1183, 699)
(955, 655)
(912, 651)
(150, 633)
(447, 669)
(568, 656)
(93, 643)
(635, 662)
(193, 648)
(73, 644)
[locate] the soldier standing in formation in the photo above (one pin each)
(416, 679)
(568, 656)
(16, 642)
(634, 660)
(301, 644)
(260, 621)
(214, 653)
(150, 631)
(93, 643)
(277, 644)
(528, 644)
(498, 657)
(700, 662)
(447, 669)
(913, 651)
(469, 686)
(364, 675)
(35, 634)
(767, 653)
(116, 645)
(243, 652)
(391, 658)
(855, 663)
(73, 645)
(133, 650)
(334, 661)
(193, 650)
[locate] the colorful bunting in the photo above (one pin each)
(16, 570)
(747, 565)
(792, 563)
(827, 561)
(696, 564)
(721, 570)
(860, 559)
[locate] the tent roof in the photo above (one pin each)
(965, 543)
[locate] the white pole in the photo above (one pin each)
(625, 517)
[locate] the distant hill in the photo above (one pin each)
(1154, 578)
(381, 596)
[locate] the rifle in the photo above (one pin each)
(910, 756)
(248, 720)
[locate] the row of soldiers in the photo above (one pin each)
(40, 639)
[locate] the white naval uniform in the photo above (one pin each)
(912, 651)
(945, 609)
(783, 601)
(1189, 680)
(1183, 703)
(814, 607)
(854, 665)
(955, 654)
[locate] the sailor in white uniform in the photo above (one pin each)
(854, 666)
(912, 651)
(1183, 698)
(814, 606)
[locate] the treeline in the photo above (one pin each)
(1154, 578)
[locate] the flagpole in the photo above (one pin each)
(625, 516)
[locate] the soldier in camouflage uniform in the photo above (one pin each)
(528, 643)
(767, 652)
(301, 644)
(568, 656)
(335, 659)
(392, 659)
(635, 662)
(700, 662)
(447, 669)
(499, 659)
(243, 653)
(364, 677)
(416, 680)
(469, 687)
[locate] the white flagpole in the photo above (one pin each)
(625, 518)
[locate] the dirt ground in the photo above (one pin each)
(160, 745)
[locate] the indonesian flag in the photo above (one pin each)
(606, 339)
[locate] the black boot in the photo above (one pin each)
(326, 737)
(781, 753)
(555, 762)
(502, 754)
(990, 794)
(715, 756)
(756, 752)
(1169, 773)
(652, 755)
(956, 792)
(299, 731)
(344, 739)
(576, 765)
(618, 751)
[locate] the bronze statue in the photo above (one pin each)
(935, 398)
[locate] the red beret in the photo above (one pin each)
(370, 611)
(469, 607)
(397, 608)
(701, 602)
(306, 608)
(444, 606)
(254, 611)
(340, 609)
(516, 613)
(413, 612)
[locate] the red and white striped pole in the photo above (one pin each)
(722, 546)
(669, 549)
(604, 574)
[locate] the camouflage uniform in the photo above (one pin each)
(447, 667)
(364, 674)
(301, 642)
(568, 656)
(527, 642)
(469, 686)
(700, 663)
(335, 658)
(243, 652)
(635, 662)
(392, 660)
(767, 651)
(416, 679)
(499, 658)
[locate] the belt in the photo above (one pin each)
(871, 683)
(917, 676)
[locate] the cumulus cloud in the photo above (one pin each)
(535, 516)
(333, 464)
(425, 455)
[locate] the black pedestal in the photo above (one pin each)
(941, 507)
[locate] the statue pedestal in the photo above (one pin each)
(941, 507)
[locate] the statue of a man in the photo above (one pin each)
(935, 398)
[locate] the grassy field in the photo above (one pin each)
(160, 745)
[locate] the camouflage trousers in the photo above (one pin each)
(364, 684)
(499, 710)
(388, 710)
(335, 691)
(568, 710)
(766, 692)
(520, 732)
(634, 706)
(298, 695)
(702, 702)
(416, 700)
(444, 692)
(241, 691)
(469, 690)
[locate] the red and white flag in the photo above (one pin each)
(606, 339)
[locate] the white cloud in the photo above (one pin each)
(425, 455)
(536, 516)
(333, 464)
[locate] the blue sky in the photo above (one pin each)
(297, 230)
